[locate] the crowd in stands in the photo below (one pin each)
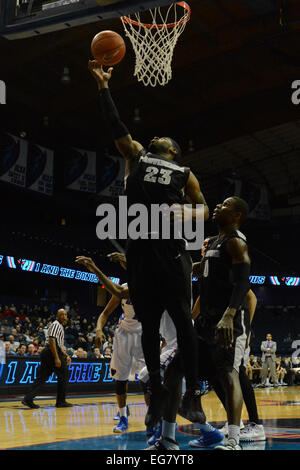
(287, 370)
(23, 330)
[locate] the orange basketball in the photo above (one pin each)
(108, 48)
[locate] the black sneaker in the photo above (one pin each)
(191, 408)
(30, 404)
(65, 404)
(158, 398)
(164, 443)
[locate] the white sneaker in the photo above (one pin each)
(231, 444)
(224, 429)
(253, 432)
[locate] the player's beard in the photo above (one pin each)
(157, 148)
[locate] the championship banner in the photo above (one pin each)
(111, 172)
(13, 158)
(40, 169)
(80, 171)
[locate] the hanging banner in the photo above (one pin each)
(111, 172)
(13, 158)
(40, 169)
(80, 172)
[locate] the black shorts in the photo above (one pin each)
(217, 359)
(159, 276)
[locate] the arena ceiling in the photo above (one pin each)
(230, 94)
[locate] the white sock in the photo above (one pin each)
(123, 411)
(205, 427)
(168, 430)
(234, 432)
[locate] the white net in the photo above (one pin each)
(154, 42)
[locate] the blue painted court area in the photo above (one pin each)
(283, 437)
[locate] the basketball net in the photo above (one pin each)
(154, 42)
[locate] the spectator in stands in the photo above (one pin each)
(90, 343)
(280, 371)
(8, 350)
(84, 326)
(41, 334)
(19, 336)
(6, 327)
(28, 336)
(286, 363)
(22, 350)
(14, 344)
(80, 353)
(2, 331)
(31, 350)
(40, 349)
(253, 370)
(107, 353)
(36, 343)
(16, 321)
(71, 333)
(95, 354)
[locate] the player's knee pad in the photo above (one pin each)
(121, 386)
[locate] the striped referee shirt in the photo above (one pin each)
(56, 330)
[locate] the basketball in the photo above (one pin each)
(108, 48)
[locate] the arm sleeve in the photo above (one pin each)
(241, 272)
(111, 114)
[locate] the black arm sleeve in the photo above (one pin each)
(241, 272)
(111, 114)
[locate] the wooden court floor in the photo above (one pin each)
(89, 424)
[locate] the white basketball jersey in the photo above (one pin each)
(128, 320)
(168, 331)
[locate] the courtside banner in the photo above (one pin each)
(110, 179)
(13, 159)
(80, 170)
(40, 169)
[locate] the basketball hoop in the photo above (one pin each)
(154, 42)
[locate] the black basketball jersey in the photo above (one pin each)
(216, 280)
(154, 179)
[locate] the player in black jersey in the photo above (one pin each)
(224, 322)
(153, 176)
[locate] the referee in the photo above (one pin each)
(53, 359)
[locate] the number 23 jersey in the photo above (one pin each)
(154, 179)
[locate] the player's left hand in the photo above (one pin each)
(101, 77)
(87, 262)
(224, 331)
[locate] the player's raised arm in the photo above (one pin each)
(102, 320)
(194, 194)
(121, 292)
(128, 147)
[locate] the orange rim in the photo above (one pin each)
(186, 18)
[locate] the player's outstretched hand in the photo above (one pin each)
(87, 262)
(117, 257)
(102, 78)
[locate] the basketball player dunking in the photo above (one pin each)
(153, 176)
